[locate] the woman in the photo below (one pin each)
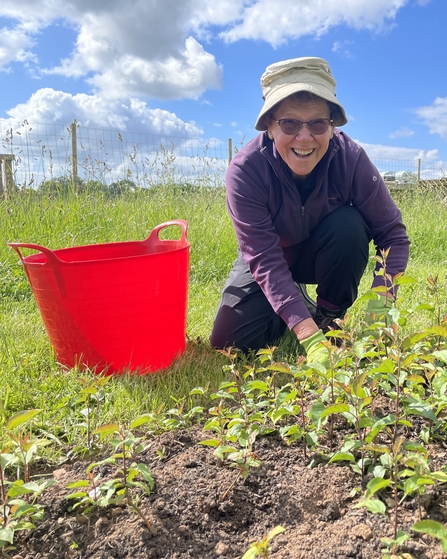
(305, 201)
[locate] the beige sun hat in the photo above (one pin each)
(298, 74)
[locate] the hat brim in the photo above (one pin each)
(285, 90)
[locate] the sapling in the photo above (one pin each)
(392, 545)
(301, 378)
(357, 411)
(19, 507)
(177, 417)
(23, 445)
(132, 478)
(90, 397)
(261, 548)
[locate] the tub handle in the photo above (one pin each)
(52, 259)
(154, 238)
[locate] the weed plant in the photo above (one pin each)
(402, 356)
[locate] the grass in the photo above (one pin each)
(29, 374)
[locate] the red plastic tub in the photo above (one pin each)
(113, 307)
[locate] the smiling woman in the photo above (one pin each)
(305, 201)
(301, 129)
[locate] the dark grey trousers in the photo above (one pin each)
(334, 258)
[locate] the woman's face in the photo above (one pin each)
(304, 151)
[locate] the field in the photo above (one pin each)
(207, 457)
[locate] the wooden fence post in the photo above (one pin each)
(419, 170)
(6, 176)
(74, 156)
(230, 150)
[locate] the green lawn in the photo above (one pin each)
(30, 376)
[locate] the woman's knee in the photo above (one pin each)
(344, 229)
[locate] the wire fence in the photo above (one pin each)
(32, 155)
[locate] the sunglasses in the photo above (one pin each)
(291, 127)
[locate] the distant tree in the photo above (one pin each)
(58, 186)
(121, 187)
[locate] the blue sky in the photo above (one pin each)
(192, 67)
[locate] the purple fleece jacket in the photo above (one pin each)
(269, 217)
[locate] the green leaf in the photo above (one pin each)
(79, 483)
(342, 456)
(105, 430)
(404, 280)
(210, 442)
(274, 532)
(16, 490)
(24, 525)
(279, 368)
(374, 505)
(76, 495)
(315, 412)
(412, 339)
(375, 484)
(25, 510)
(20, 418)
(146, 474)
(379, 426)
(251, 553)
(387, 366)
(401, 538)
(381, 448)
(432, 528)
(199, 390)
(441, 355)
(358, 384)
(439, 476)
(335, 408)
(358, 349)
(413, 483)
(222, 450)
(258, 385)
(146, 418)
(227, 384)
(419, 408)
(7, 534)
(278, 413)
(423, 307)
(437, 330)
(7, 459)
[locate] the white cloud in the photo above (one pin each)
(403, 132)
(126, 47)
(293, 19)
(15, 45)
(435, 116)
(394, 152)
(406, 159)
(342, 47)
(57, 107)
(151, 47)
(173, 78)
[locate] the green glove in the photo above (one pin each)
(378, 307)
(315, 351)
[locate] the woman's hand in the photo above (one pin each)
(312, 339)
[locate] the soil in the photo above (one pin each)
(201, 508)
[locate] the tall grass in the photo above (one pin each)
(30, 377)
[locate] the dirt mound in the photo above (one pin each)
(201, 508)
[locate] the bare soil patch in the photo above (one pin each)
(193, 514)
